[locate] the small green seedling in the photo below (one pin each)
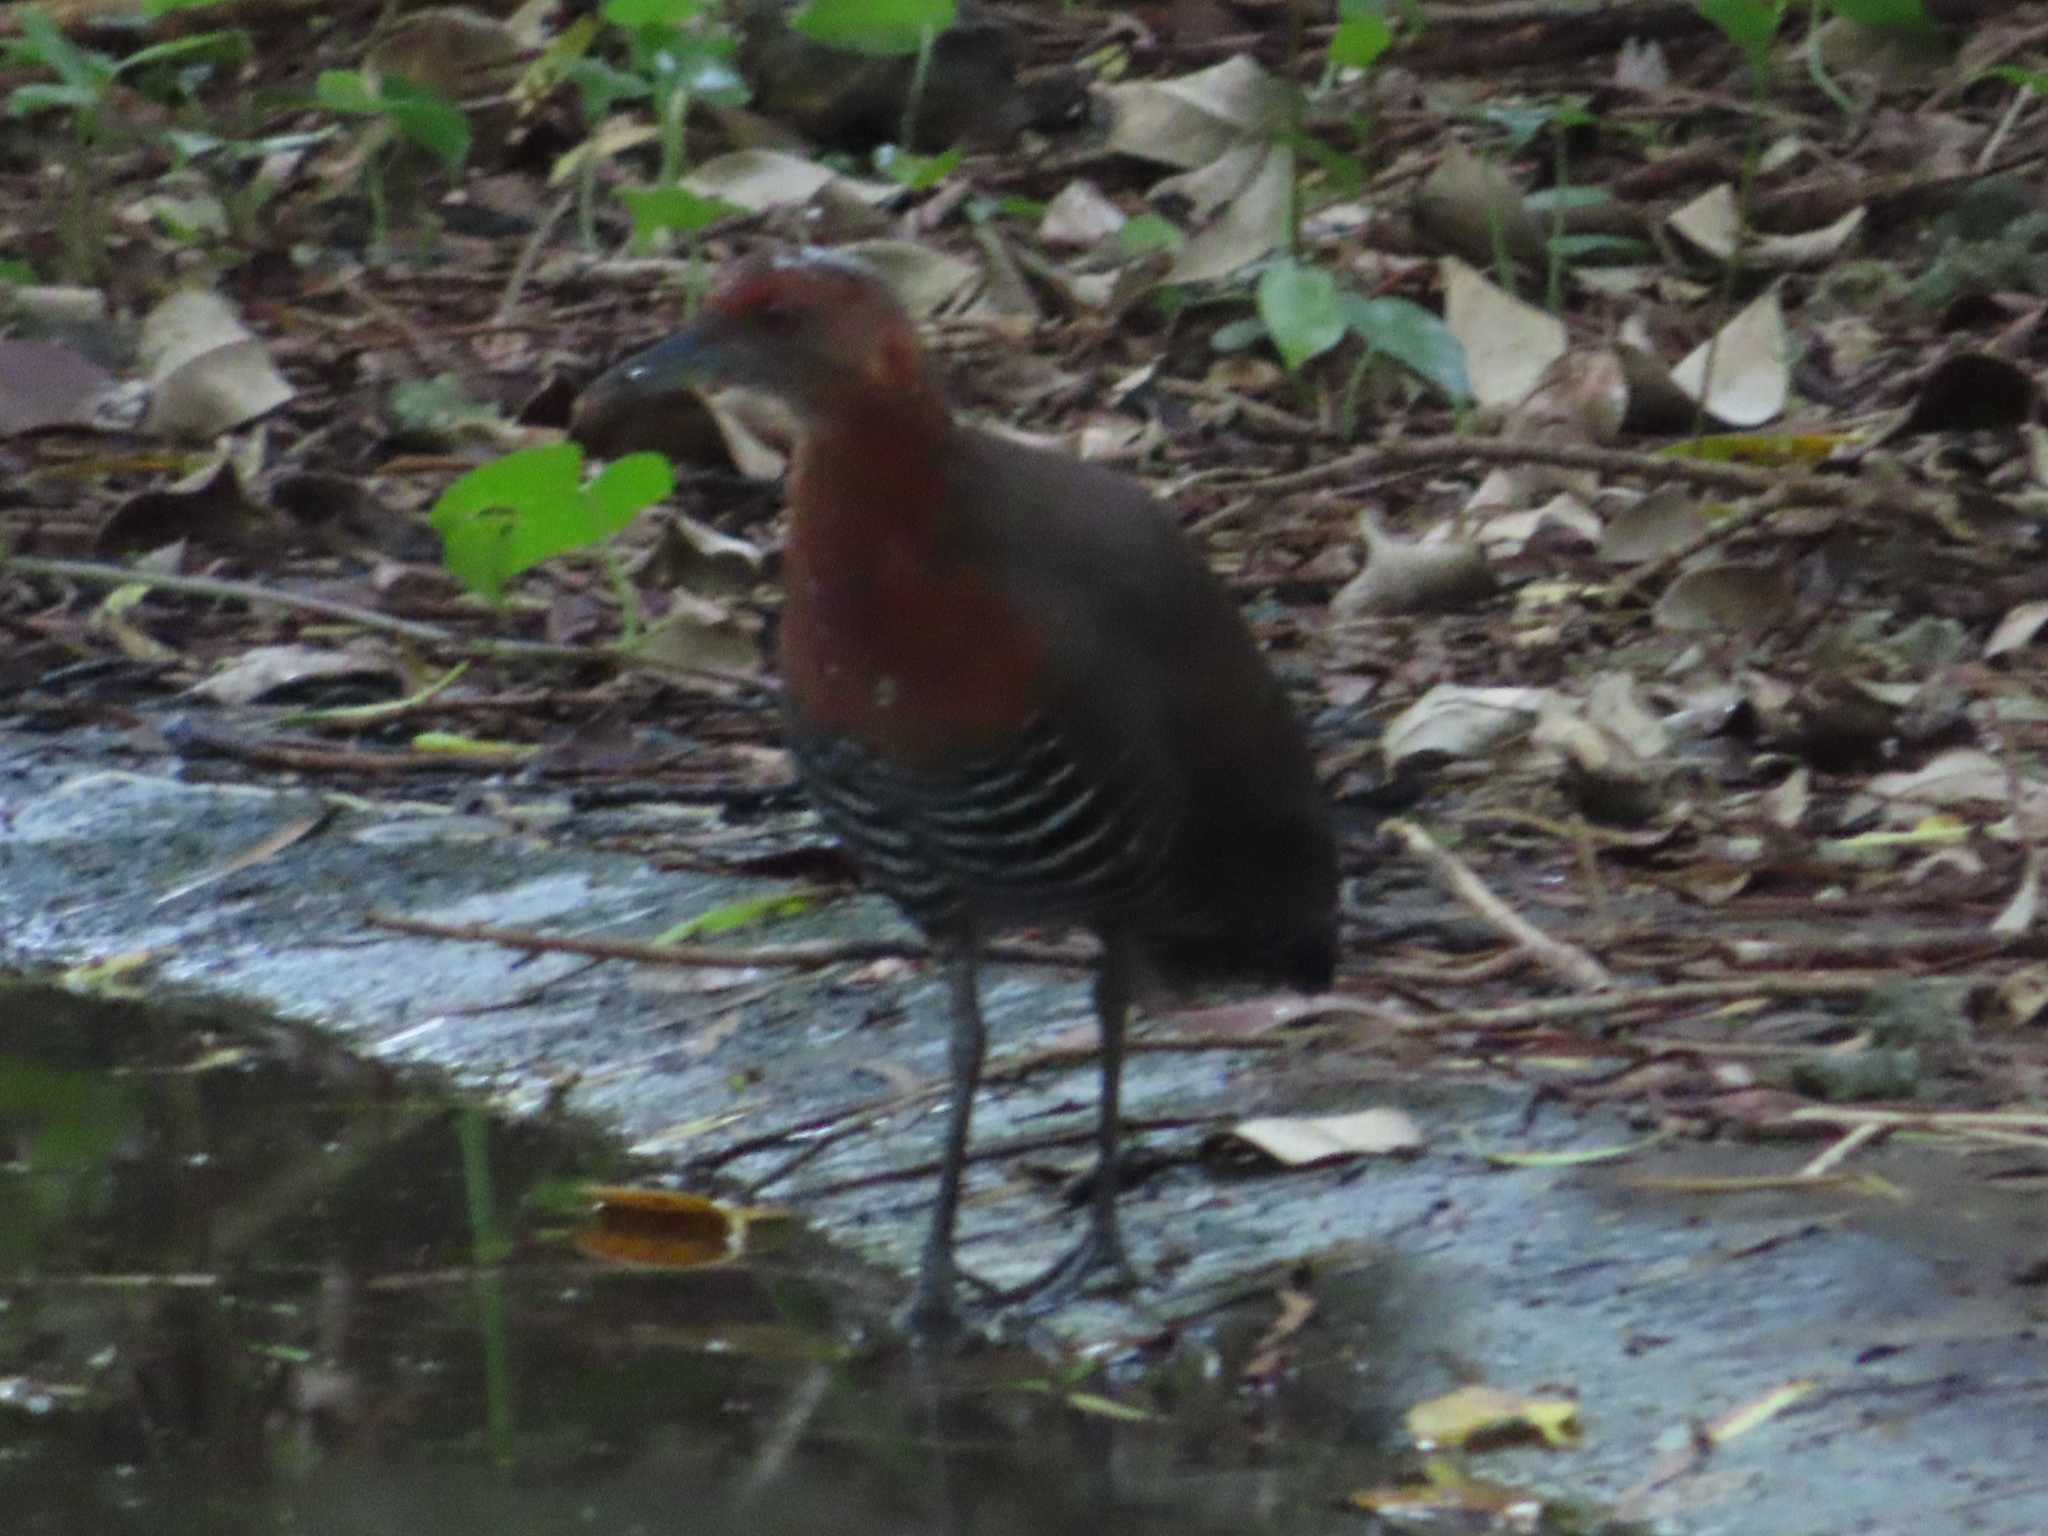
(682, 52)
(416, 115)
(1301, 309)
(888, 28)
(505, 517)
(84, 90)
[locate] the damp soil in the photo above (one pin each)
(252, 1286)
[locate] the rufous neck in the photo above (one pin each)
(875, 459)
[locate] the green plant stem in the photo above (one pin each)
(1553, 288)
(1817, 68)
(920, 72)
(1347, 403)
(631, 619)
(1297, 121)
(675, 113)
(586, 204)
(380, 213)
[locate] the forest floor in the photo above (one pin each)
(1638, 481)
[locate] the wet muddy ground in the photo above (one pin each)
(1910, 1317)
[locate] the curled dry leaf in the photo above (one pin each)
(1459, 722)
(270, 670)
(1604, 774)
(1253, 185)
(43, 384)
(1303, 1141)
(760, 179)
(1712, 225)
(1080, 217)
(1564, 518)
(210, 375)
(1195, 119)
(1964, 776)
(1478, 1415)
(674, 1230)
(1401, 576)
(698, 635)
(697, 556)
(1508, 344)
(1751, 362)
(1660, 523)
(1746, 595)
(2017, 629)
(451, 50)
(1472, 208)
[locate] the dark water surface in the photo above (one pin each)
(250, 1283)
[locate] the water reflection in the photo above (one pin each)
(249, 1283)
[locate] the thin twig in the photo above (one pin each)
(1566, 961)
(93, 573)
(529, 254)
(804, 957)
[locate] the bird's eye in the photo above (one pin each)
(775, 315)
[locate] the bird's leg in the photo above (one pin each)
(1102, 1248)
(931, 1305)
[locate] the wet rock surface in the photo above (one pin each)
(1912, 1317)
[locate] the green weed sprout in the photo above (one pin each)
(418, 116)
(889, 28)
(507, 516)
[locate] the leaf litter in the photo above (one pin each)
(1820, 594)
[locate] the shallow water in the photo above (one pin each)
(250, 1283)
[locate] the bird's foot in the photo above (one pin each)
(1096, 1264)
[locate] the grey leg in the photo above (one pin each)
(931, 1306)
(1102, 1248)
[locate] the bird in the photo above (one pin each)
(1018, 695)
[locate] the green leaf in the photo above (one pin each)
(224, 49)
(82, 69)
(920, 173)
(435, 124)
(1359, 41)
(604, 87)
(677, 208)
(27, 100)
(343, 90)
(527, 477)
(155, 8)
(885, 27)
(1346, 172)
(1415, 337)
(1611, 249)
(735, 915)
(189, 146)
(1028, 209)
(650, 13)
(627, 487)
(508, 516)
(1146, 232)
(1751, 25)
(2035, 80)
(1888, 15)
(1237, 335)
(1299, 305)
(428, 120)
(1522, 123)
(1559, 199)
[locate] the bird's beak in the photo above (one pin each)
(690, 357)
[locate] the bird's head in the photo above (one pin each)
(819, 332)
